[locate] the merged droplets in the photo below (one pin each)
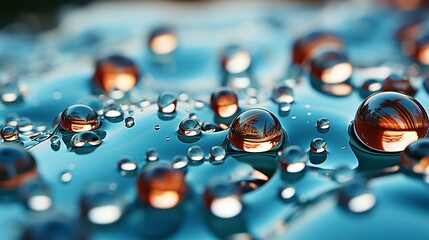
(189, 127)
(223, 199)
(85, 139)
(255, 130)
(318, 145)
(293, 159)
(389, 121)
(161, 186)
(415, 158)
(79, 118)
(116, 72)
(9, 133)
(16, 166)
(167, 102)
(224, 102)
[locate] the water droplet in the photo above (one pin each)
(100, 205)
(163, 41)
(85, 139)
(152, 154)
(167, 138)
(36, 196)
(12, 119)
(79, 118)
(331, 67)
(224, 102)
(318, 145)
(129, 122)
(323, 124)
(24, 124)
(372, 86)
(235, 59)
(55, 140)
(255, 130)
(305, 48)
(113, 110)
(126, 165)
(193, 115)
(40, 127)
(198, 104)
(293, 117)
(189, 127)
(167, 102)
(10, 93)
(66, 177)
(415, 157)
(356, 197)
(223, 199)
(9, 133)
(16, 166)
(308, 113)
(287, 192)
(217, 153)
(389, 121)
(399, 83)
(116, 72)
(282, 94)
(293, 159)
(157, 127)
(284, 107)
(208, 127)
(195, 153)
(180, 162)
(57, 95)
(161, 186)
(145, 103)
(343, 174)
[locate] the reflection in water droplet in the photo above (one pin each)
(116, 72)
(10, 93)
(323, 124)
(189, 127)
(9, 133)
(161, 186)
(152, 154)
(167, 138)
(193, 115)
(180, 162)
(162, 41)
(66, 177)
(372, 85)
(55, 140)
(167, 102)
(389, 121)
(16, 166)
(223, 199)
(399, 83)
(415, 158)
(24, 125)
(287, 192)
(255, 130)
(157, 127)
(129, 122)
(343, 174)
(293, 159)
(356, 197)
(284, 107)
(293, 117)
(282, 94)
(127, 165)
(331, 67)
(318, 145)
(85, 139)
(79, 118)
(36, 196)
(208, 127)
(113, 111)
(235, 59)
(217, 153)
(195, 153)
(224, 102)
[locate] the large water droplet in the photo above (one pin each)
(167, 102)
(195, 153)
(189, 127)
(180, 162)
(36, 196)
(255, 130)
(318, 145)
(16, 166)
(224, 102)
(79, 118)
(223, 199)
(9, 133)
(152, 154)
(235, 59)
(113, 111)
(293, 159)
(389, 121)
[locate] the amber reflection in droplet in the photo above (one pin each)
(416, 157)
(79, 118)
(389, 121)
(399, 83)
(162, 41)
(161, 186)
(224, 102)
(16, 166)
(331, 67)
(116, 72)
(305, 47)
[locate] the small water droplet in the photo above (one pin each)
(113, 110)
(318, 145)
(66, 177)
(167, 102)
(343, 174)
(85, 139)
(217, 153)
(9, 133)
(152, 154)
(180, 162)
(157, 127)
(126, 166)
(36, 196)
(323, 124)
(129, 122)
(167, 138)
(57, 95)
(282, 94)
(293, 117)
(198, 104)
(195, 153)
(287, 192)
(24, 125)
(223, 199)
(284, 107)
(189, 127)
(356, 197)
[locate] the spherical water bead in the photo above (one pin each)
(100, 205)
(208, 127)
(16, 166)
(195, 153)
(235, 60)
(224, 102)
(79, 118)
(36, 196)
(421, 50)
(24, 125)
(113, 110)
(85, 139)
(223, 199)
(126, 165)
(372, 85)
(356, 197)
(161, 186)
(12, 119)
(152, 154)
(9, 133)
(287, 191)
(129, 122)
(323, 124)
(10, 93)
(66, 177)
(116, 72)
(217, 153)
(389, 121)
(157, 127)
(55, 140)
(318, 145)
(167, 102)
(54, 227)
(162, 41)
(306, 47)
(284, 107)
(255, 130)
(189, 127)
(193, 115)
(399, 83)
(282, 94)
(331, 67)
(415, 157)
(293, 159)
(343, 174)
(180, 162)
